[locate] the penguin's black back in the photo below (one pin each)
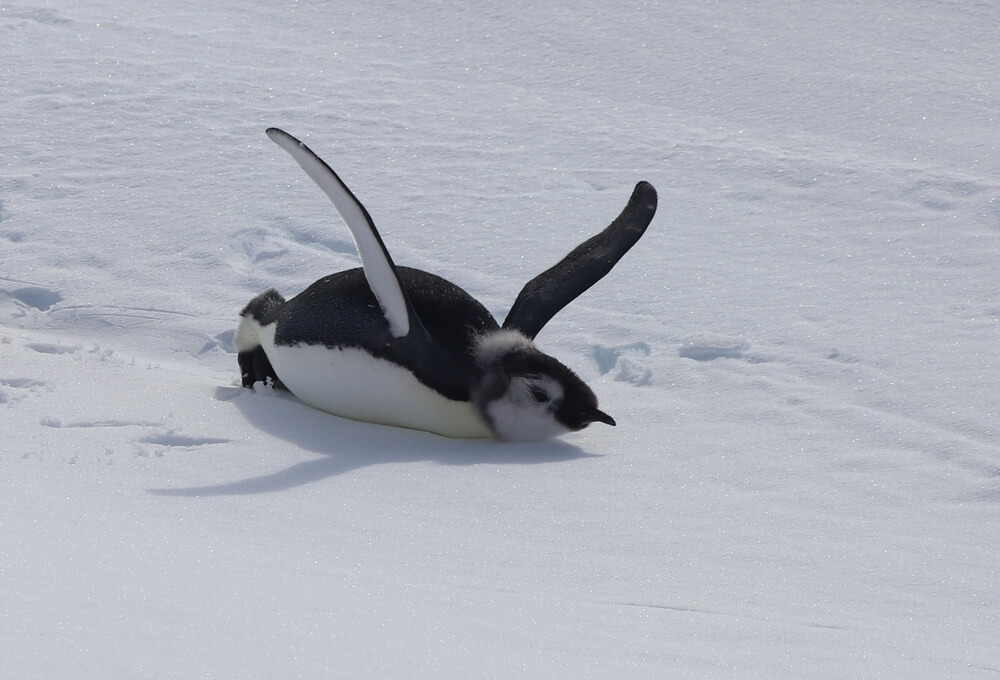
(341, 311)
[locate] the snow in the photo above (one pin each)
(800, 353)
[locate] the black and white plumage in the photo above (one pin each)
(404, 347)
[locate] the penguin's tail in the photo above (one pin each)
(260, 311)
(254, 365)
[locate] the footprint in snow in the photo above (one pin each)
(50, 348)
(35, 297)
(221, 341)
(157, 445)
(184, 441)
(15, 389)
(625, 362)
(708, 347)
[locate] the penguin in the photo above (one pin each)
(400, 346)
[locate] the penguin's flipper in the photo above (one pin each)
(380, 271)
(546, 294)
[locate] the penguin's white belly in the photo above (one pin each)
(351, 383)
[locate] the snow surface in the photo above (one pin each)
(801, 353)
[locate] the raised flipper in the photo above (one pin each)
(546, 294)
(379, 268)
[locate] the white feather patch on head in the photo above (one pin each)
(491, 346)
(518, 416)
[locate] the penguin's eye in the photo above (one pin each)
(540, 395)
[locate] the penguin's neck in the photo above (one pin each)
(491, 346)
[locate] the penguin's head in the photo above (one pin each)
(524, 395)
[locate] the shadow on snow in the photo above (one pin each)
(347, 445)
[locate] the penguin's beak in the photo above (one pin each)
(599, 416)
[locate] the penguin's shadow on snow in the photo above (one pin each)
(347, 445)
